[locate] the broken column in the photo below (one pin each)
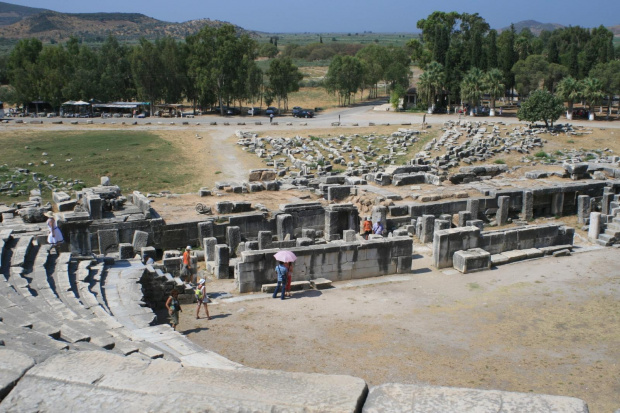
(265, 240)
(527, 210)
(583, 209)
(605, 202)
(222, 258)
(503, 202)
(557, 204)
(472, 207)
(205, 230)
(464, 216)
(379, 214)
(595, 225)
(442, 224)
(233, 238)
(284, 224)
(209, 246)
(428, 228)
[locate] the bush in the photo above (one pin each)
(541, 154)
(500, 161)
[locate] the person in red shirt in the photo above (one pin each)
(367, 227)
(186, 269)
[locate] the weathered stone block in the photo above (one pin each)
(503, 203)
(209, 247)
(140, 240)
(108, 241)
(475, 259)
(125, 251)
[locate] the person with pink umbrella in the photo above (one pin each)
(283, 272)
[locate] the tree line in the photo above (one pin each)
(214, 66)
(463, 58)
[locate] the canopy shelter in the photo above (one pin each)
(75, 108)
(168, 110)
(131, 108)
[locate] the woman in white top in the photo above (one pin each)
(55, 236)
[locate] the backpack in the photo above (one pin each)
(198, 293)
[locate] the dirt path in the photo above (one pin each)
(546, 326)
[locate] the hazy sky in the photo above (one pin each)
(347, 15)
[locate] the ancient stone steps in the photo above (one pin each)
(396, 397)
(130, 384)
(34, 344)
(123, 294)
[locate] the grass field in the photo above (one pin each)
(133, 160)
(384, 39)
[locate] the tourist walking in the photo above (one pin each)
(202, 298)
(289, 278)
(270, 117)
(186, 269)
(367, 227)
(54, 238)
(174, 307)
(281, 272)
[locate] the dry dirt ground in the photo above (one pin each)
(546, 326)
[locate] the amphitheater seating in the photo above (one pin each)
(79, 336)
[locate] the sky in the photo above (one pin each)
(277, 16)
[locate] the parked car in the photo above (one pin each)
(254, 111)
(272, 111)
(306, 113)
(232, 111)
(295, 111)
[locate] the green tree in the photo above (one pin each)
(491, 46)
(268, 50)
(115, 77)
(507, 57)
(83, 83)
(541, 105)
(173, 70)
(569, 89)
(54, 63)
(494, 86)
(219, 63)
(344, 78)
(396, 95)
(593, 93)
(609, 75)
(431, 83)
(145, 64)
(284, 78)
(24, 70)
(530, 74)
(473, 87)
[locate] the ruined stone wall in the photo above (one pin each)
(334, 261)
(446, 242)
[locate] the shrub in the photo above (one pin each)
(500, 161)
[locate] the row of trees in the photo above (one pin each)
(366, 70)
(454, 44)
(213, 66)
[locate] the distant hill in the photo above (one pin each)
(12, 13)
(19, 22)
(615, 29)
(534, 26)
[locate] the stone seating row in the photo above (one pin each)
(65, 318)
(72, 381)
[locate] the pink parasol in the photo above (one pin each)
(285, 256)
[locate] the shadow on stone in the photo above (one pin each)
(306, 294)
